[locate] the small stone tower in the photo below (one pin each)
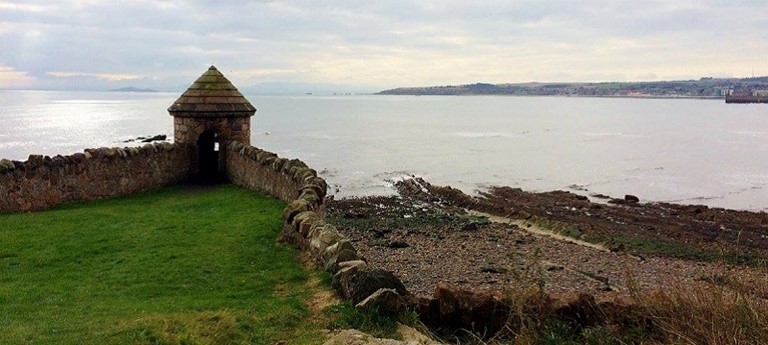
(209, 115)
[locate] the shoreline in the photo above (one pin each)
(498, 240)
(555, 96)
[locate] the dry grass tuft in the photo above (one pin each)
(701, 314)
(707, 314)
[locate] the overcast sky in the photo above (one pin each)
(81, 44)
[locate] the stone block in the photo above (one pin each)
(318, 181)
(335, 249)
(316, 226)
(365, 283)
(324, 238)
(385, 301)
(277, 165)
(347, 270)
(311, 197)
(318, 190)
(301, 217)
(294, 208)
(34, 161)
(268, 160)
(332, 265)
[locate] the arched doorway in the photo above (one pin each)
(208, 157)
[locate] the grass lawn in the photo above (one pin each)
(171, 266)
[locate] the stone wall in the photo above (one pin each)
(43, 182)
(304, 226)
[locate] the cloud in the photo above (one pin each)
(10, 78)
(384, 43)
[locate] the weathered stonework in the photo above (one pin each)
(188, 129)
(211, 105)
(43, 182)
(304, 223)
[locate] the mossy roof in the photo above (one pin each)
(212, 95)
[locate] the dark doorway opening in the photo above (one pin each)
(208, 157)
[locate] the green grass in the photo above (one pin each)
(171, 266)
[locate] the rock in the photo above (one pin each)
(347, 270)
(35, 161)
(337, 248)
(600, 196)
(304, 219)
(277, 165)
(323, 238)
(398, 244)
(311, 197)
(365, 283)
(332, 265)
(477, 312)
(319, 190)
(551, 266)
(6, 165)
(386, 301)
(294, 208)
(494, 269)
(158, 137)
(631, 199)
(355, 337)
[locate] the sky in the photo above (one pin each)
(376, 45)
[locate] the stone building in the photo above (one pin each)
(208, 116)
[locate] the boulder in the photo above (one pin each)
(332, 265)
(346, 271)
(158, 137)
(365, 283)
(631, 199)
(385, 301)
(6, 165)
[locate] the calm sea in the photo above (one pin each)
(681, 150)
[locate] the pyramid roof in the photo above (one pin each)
(212, 95)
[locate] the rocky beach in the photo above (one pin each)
(564, 244)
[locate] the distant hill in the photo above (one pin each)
(702, 88)
(132, 89)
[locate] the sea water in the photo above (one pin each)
(677, 150)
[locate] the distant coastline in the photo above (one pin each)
(131, 89)
(704, 88)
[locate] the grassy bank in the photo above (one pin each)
(176, 265)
